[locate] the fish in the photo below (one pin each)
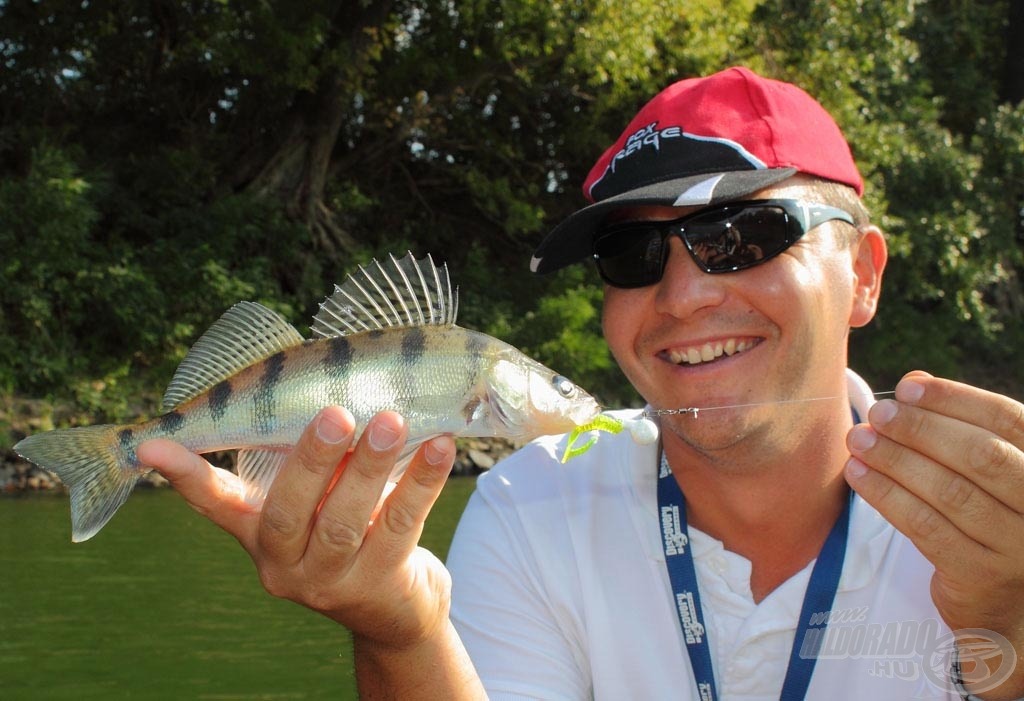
(385, 339)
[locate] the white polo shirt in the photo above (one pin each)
(561, 592)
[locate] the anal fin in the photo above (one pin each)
(403, 460)
(257, 468)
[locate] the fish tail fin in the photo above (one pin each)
(99, 471)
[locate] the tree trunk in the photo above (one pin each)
(296, 170)
(1013, 78)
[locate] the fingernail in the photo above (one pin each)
(909, 391)
(382, 436)
(329, 430)
(855, 469)
(434, 453)
(883, 412)
(862, 438)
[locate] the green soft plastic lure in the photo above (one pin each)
(643, 430)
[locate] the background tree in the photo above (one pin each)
(161, 160)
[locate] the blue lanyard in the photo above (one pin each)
(821, 591)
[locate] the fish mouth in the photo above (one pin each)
(583, 413)
(710, 351)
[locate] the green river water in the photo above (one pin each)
(161, 605)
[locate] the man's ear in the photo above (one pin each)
(869, 257)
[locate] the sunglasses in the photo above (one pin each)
(720, 239)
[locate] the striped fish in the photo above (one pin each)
(385, 339)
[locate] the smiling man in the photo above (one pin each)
(791, 539)
(727, 226)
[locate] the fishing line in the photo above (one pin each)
(695, 410)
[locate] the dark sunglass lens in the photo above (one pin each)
(630, 257)
(724, 240)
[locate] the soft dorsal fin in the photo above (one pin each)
(406, 292)
(245, 334)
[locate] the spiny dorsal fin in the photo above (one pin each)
(246, 333)
(406, 292)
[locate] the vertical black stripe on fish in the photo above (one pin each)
(125, 438)
(339, 354)
(475, 344)
(218, 399)
(414, 343)
(264, 397)
(171, 422)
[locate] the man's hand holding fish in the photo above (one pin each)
(325, 539)
(387, 348)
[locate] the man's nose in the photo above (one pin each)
(685, 288)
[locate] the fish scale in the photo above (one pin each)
(270, 403)
(386, 339)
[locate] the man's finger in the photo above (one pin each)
(290, 507)
(999, 414)
(215, 493)
(974, 451)
(950, 550)
(345, 513)
(979, 514)
(399, 525)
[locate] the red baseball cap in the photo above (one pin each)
(704, 141)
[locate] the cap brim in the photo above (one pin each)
(571, 241)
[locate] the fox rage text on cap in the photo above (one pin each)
(704, 141)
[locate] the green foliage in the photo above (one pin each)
(44, 234)
(155, 160)
(564, 332)
(81, 304)
(917, 118)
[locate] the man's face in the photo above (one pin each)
(776, 331)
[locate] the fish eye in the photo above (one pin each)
(564, 387)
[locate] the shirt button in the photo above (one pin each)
(717, 564)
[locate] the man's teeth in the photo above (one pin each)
(709, 351)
